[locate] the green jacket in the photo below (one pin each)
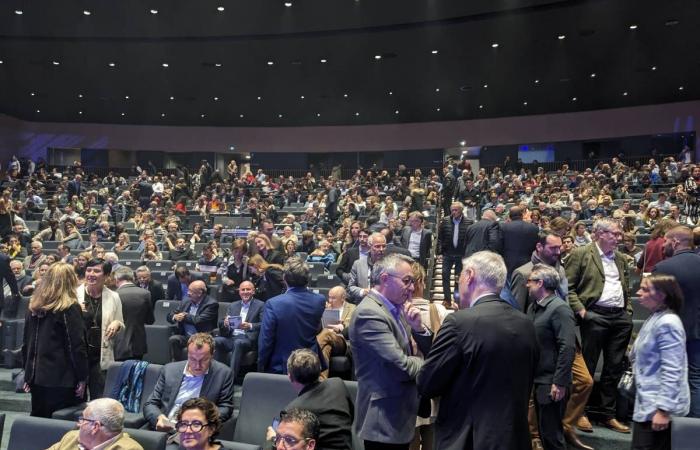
(584, 271)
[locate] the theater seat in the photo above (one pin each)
(36, 433)
(157, 340)
(239, 446)
(684, 433)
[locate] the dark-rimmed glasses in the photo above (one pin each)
(196, 426)
(288, 441)
(407, 280)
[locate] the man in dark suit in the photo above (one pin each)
(200, 375)
(179, 282)
(382, 334)
(484, 234)
(75, 187)
(137, 311)
(290, 320)
(599, 295)
(449, 184)
(391, 242)
(9, 304)
(352, 254)
(145, 189)
(197, 314)
(519, 239)
(417, 239)
(555, 328)
(470, 365)
(145, 281)
(238, 331)
(684, 264)
(452, 242)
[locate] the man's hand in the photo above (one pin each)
(413, 317)
(246, 326)
(557, 393)
(660, 420)
(179, 317)
(163, 424)
(229, 282)
(582, 313)
(270, 434)
(338, 328)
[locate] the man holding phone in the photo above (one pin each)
(238, 331)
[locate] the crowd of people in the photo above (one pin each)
(524, 256)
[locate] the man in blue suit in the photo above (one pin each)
(238, 331)
(290, 321)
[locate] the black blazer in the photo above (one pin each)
(483, 235)
(7, 275)
(54, 349)
(204, 320)
(332, 404)
(519, 240)
(426, 241)
(269, 285)
(217, 387)
(157, 292)
(685, 266)
(347, 259)
(445, 230)
(174, 291)
(555, 328)
(137, 310)
(470, 366)
(254, 317)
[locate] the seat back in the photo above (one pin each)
(161, 310)
(684, 433)
(157, 337)
(264, 396)
(327, 281)
(357, 442)
(159, 266)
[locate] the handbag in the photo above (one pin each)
(626, 387)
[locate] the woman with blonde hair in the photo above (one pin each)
(269, 281)
(54, 350)
(123, 243)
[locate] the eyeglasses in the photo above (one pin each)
(533, 280)
(407, 281)
(196, 426)
(288, 441)
(82, 420)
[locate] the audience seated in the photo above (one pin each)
(197, 314)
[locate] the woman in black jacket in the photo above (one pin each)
(54, 350)
(269, 282)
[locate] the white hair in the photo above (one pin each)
(109, 412)
(489, 269)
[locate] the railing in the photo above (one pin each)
(578, 164)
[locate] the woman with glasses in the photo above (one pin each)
(54, 350)
(198, 423)
(660, 364)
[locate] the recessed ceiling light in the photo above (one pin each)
(279, 115)
(462, 143)
(259, 98)
(154, 11)
(345, 95)
(80, 95)
(625, 93)
(19, 12)
(240, 115)
(162, 114)
(202, 116)
(437, 89)
(38, 110)
(391, 93)
(653, 67)
(485, 86)
(232, 148)
(396, 111)
(1, 61)
(32, 94)
(301, 97)
(165, 65)
(377, 57)
(216, 99)
(111, 64)
(593, 75)
(217, 64)
(357, 114)
(537, 81)
(269, 63)
(220, 8)
(434, 52)
(680, 88)
(172, 98)
(126, 97)
(437, 109)
(524, 103)
(494, 45)
(86, 12)
(55, 63)
(324, 60)
(288, 4)
(573, 99)
(633, 27)
(123, 114)
(318, 114)
(561, 37)
(481, 106)
(80, 112)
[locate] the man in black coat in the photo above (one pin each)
(555, 328)
(145, 281)
(684, 264)
(519, 239)
(470, 365)
(352, 254)
(197, 314)
(484, 234)
(179, 282)
(9, 304)
(452, 241)
(75, 187)
(137, 311)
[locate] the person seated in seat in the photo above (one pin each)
(328, 400)
(196, 314)
(101, 426)
(332, 340)
(236, 339)
(198, 376)
(198, 423)
(181, 252)
(178, 283)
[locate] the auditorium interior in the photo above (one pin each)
(161, 136)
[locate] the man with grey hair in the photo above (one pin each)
(144, 280)
(382, 331)
(599, 295)
(290, 320)
(360, 273)
(555, 328)
(474, 356)
(137, 311)
(99, 427)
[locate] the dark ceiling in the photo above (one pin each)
(260, 63)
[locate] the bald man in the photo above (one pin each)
(197, 314)
(332, 339)
(684, 264)
(239, 330)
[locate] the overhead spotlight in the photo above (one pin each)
(625, 93)
(485, 86)
(162, 114)
(318, 114)
(301, 97)
(86, 12)
(154, 11)
(55, 63)
(573, 99)
(216, 99)
(1, 61)
(377, 57)
(357, 114)
(653, 67)
(633, 26)
(494, 45)
(524, 103)
(123, 114)
(434, 52)
(437, 89)
(32, 94)
(270, 63)
(437, 109)
(38, 110)
(126, 97)
(80, 95)
(19, 12)
(218, 65)
(396, 111)
(202, 116)
(537, 81)
(345, 95)
(166, 65)
(324, 60)
(80, 113)
(220, 8)
(462, 143)
(232, 148)
(593, 75)
(279, 115)
(111, 64)
(481, 106)
(172, 98)
(259, 98)
(561, 37)
(288, 4)
(241, 116)
(680, 88)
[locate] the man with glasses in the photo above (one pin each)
(99, 427)
(599, 295)
(298, 430)
(198, 376)
(383, 331)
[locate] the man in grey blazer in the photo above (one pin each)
(198, 376)
(382, 332)
(362, 268)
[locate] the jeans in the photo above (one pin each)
(693, 349)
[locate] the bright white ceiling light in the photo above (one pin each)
(259, 98)
(653, 67)
(154, 11)
(462, 143)
(524, 103)
(573, 99)
(241, 116)
(561, 37)
(481, 106)
(80, 95)
(633, 26)
(32, 94)
(220, 8)
(494, 45)
(437, 109)
(485, 86)
(165, 65)
(38, 110)
(270, 63)
(86, 12)
(302, 97)
(123, 114)
(172, 98)
(19, 12)
(434, 52)
(396, 111)
(111, 64)
(216, 99)
(218, 65)
(345, 95)
(357, 114)
(80, 112)
(162, 114)
(202, 116)
(593, 75)
(126, 97)
(625, 93)
(318, 114)
(680, 88)
(537, 81)
(437, 89)
(279, 115)
(55, 63)
(377, 57)
(324, 60)
(288, 4)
